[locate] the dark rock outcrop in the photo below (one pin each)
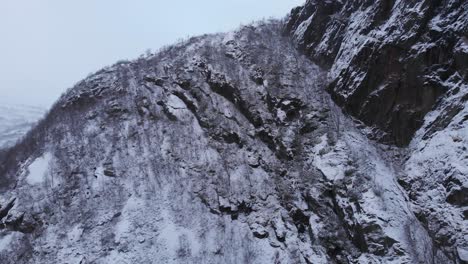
(389, 60)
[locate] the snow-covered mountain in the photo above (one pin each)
(15, 121)
(338, 135)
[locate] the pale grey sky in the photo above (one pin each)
(47, 46)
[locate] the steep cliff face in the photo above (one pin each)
(435, 171)
(389, 60)
(227, 148)
(390, 63)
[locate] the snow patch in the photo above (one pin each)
(178, 238)
(5, 242)
(330, 161)
(175, 102)
(75, 234)
(38, 169)
(463, 253)
(123, 229)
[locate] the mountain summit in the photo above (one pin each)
(337, 135)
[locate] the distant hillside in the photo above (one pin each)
(15, 121)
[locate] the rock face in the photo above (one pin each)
(228, 148)
(389, 61)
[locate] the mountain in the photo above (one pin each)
(15, 121)
(337, 135)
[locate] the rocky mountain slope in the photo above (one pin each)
(389, 61)
(15, 121)
(228, 148)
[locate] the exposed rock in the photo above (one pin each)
(388, 60)
(5, 208)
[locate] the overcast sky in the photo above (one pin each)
(47, 46)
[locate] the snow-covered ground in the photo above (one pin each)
(38, 169)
